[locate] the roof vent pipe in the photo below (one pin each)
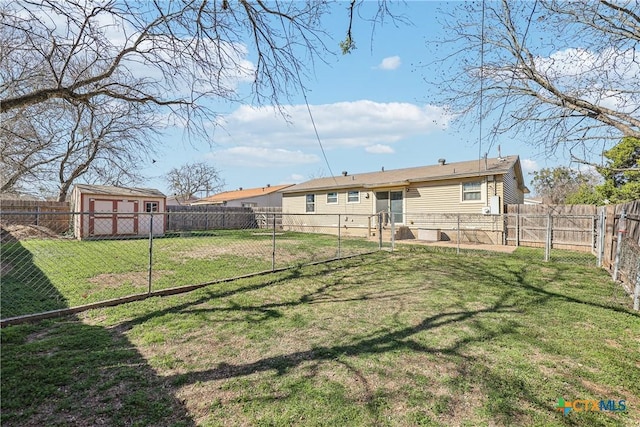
(442, 161)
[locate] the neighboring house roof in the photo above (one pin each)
(110, 190)
(404, 177)
(180, 200)
(227, 196)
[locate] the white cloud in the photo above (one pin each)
(344, 124)
(529, 166)
(379, 149)
(260, 136)
(261, 157)
(389, 63)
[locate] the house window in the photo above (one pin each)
(151, 206)
(353, 197)
(332, 198)
(310, 203)
(249, 204)
(471, 191)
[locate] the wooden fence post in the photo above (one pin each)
(621, 230)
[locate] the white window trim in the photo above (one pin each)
(483, 191)
(151, 204)
(357, 201)
(332, 203)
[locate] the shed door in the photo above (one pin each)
(112, 217)
(127, 222)
(101, 219)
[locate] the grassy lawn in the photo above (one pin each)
(44, 275)
(414, 337)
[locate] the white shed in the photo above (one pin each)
(105, 210)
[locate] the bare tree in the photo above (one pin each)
(163, 61)
(192, 178)
(561, 74)
(48, 147)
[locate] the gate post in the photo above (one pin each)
(150, 251)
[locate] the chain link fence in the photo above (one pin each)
(627, 268)
(104, 257)
(563, 238)
(107, 256)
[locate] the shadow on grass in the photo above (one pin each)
(25, 288)
(509, 396)
(65, 372)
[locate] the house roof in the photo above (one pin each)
(404, 177)
(110, 190)
(180, 200)
(227, 196)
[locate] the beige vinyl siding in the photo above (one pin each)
(443, 196)
(351, 214)
(295, 203)
(512, 194)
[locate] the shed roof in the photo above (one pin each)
(406, 176)
(227, 196)
(111, 190)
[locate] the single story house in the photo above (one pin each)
(268, 196)
(482, 186)
(105, 210)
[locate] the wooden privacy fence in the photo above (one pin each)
(35, 212)
(620, 251)
(570, 227)
(209, 217)
(265, 217)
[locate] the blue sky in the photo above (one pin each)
(369, 107)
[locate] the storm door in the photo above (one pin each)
(391, 203)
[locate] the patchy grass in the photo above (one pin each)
(413, 337)
(40, 275)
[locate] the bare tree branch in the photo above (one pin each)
(564, 73)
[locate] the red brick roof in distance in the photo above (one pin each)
(242, 193)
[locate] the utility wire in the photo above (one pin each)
(306, 102)
(481, 87)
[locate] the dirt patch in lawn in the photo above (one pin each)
(24, 232)
(136, 278)
(286, 251)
